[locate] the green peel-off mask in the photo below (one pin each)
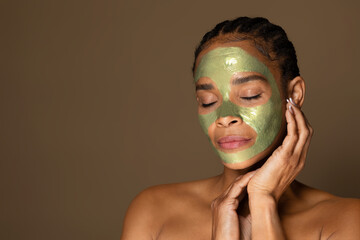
(220, 65)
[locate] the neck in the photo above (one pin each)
(228, 176)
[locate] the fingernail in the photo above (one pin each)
(287, 100)
(293, 103)
(291, 110)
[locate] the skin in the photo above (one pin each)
(233, 85)
(254, 199)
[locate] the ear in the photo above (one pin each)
(296, 90)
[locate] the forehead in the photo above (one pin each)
(245, 46)
(223, 62)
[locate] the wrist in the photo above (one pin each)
(261, 201)
(265, 218)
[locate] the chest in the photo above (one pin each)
(197, 224)
(187, 224)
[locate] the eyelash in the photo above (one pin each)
(208, 105)
(252, 97)
(245, 98)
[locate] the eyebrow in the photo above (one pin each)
(204, 87)
(241, 80)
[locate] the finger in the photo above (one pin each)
(309, 125)
(303, 130)
(305, 150)
(307, 144)
(240, 178)
(291, 138)
(239, 185)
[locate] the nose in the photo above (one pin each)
(228, 121)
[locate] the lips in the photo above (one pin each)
(232, 142)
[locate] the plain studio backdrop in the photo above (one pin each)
(97, 103)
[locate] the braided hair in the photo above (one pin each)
(270, 39)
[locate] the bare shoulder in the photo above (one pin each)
(336, 217)
(152, 207)
(331, 205)
(341, 217)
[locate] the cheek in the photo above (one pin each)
(206, 120)
(211, 133)
(267, 123)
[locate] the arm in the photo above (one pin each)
(225, 219)
(265, 219)
(275, 176)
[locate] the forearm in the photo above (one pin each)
(265, 218)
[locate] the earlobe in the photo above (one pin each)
(296, 90)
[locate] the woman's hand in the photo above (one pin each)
(225, 220)
(264, 187)
(287, 161)
(275, 176)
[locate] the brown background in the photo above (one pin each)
(97, 103)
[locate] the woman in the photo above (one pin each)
(250, 95)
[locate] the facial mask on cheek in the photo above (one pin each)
(220, 65)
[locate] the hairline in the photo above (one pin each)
(229, 38)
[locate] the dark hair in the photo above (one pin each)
(270, 39)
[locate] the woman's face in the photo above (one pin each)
(240, 102)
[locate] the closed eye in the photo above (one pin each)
(207, 104)
(251, 97)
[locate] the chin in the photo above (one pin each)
(243, 164)
(240, 165)
(259, 159)
(251, 163)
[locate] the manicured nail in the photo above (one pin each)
(293, 103)
(291, 110)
